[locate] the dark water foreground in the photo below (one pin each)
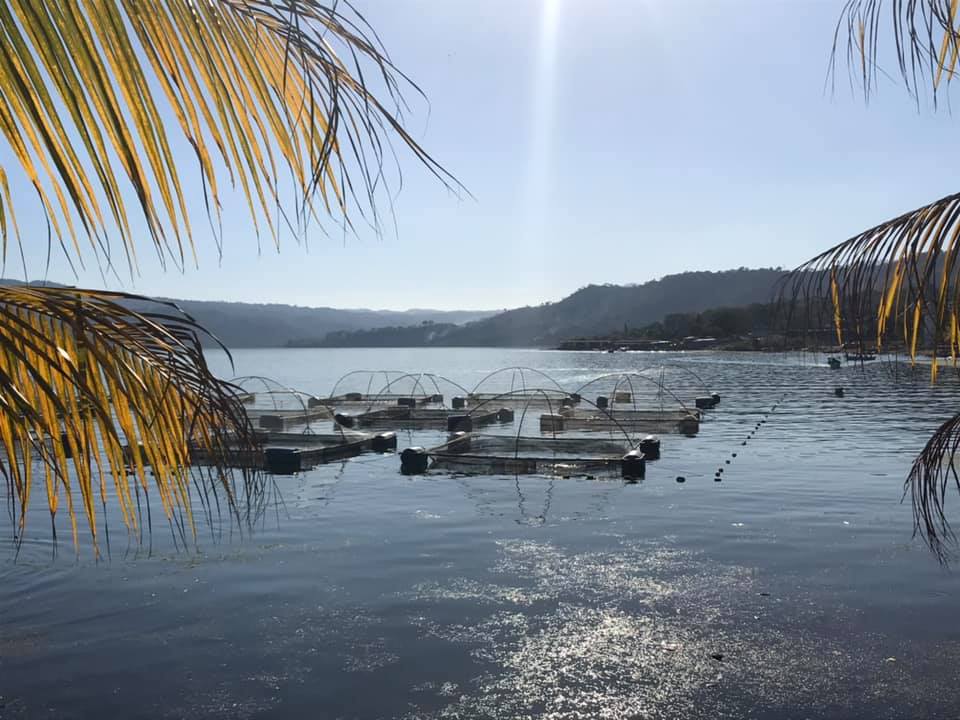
(790, 590)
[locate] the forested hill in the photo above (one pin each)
(591, 311)
(238, 324)
(253, 325)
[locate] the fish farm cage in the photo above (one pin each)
(291, 435)
(514, 421)
(478, 453)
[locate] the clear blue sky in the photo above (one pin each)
(603, 141)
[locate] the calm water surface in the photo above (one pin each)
(374, 595)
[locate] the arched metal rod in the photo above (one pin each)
(549, 399)
(608, 376)
(281, 389)
(703, 385)
(521, 369)
(371, 373)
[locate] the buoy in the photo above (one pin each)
(282, 461)
(458, 403)
(414, 461)
(681, 479)
(505, 415)
(384, 442)
(838, 391)
(457, 423)
(271, 422)
(551, 423)
(347, 421)
(602, 402)
(633, 466)
(459, 442)
(688, 425)
(650, 447)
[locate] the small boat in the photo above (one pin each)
(834, 363)
(859, 357)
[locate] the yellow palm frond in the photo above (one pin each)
(99, 400)
(281, 98)
(897, 281)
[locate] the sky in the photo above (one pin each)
(601, 141)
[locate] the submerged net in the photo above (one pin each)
(504, 454)
(662, 421)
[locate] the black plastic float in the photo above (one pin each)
(384, 442)
(633, 466)
(414, 461)
(459, 423)
(282, 461)
(650, 447)
(551, 423)
(688, 425)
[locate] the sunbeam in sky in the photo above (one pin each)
(543, 108)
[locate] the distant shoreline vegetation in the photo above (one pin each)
(753, 327)
(591, 312)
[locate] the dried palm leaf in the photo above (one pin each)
(898, 282)
(271, 95)
(94, 394)
(932, 473)
(925, 34)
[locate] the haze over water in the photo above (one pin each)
(374, 595)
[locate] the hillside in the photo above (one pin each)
(239, 324)
(254, 325)
(593, 310)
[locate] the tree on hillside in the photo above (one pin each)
(898, 281)
(292, 105)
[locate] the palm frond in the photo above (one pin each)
(94, 394)
(898, 281)
(931, 476)
(925, 35)
(277, 97)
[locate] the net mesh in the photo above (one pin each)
(555, 455)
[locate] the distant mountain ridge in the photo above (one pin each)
(239, 324)
(591, 311)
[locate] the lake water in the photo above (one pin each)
(791, 589)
